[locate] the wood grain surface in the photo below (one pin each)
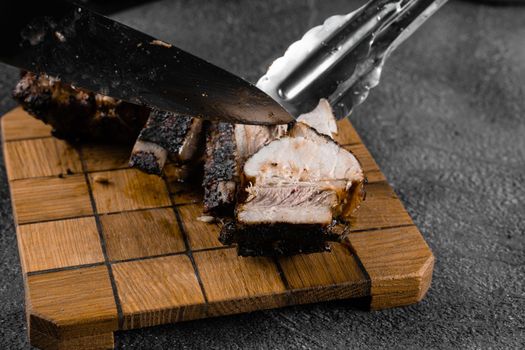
(118, 190)
(104, 247)
(50, 198)
(68, 242)
(102, 157)
(398, 262)
(235, 284)
(41, 157)
(158, 291)
(346, 134)
(132, 235)
(72, 303)
(201, 235)
(369, 165)
(16, 125)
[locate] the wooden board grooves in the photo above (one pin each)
(90, 215)
(120, 317)
(37, 200)
(146, 257)
(125, 239)
(67, 268)
(188, 251)
(76, 267)
(53, 220)
(280, 271)
(75, 242)
(287, 295)
(104, 247)
(86, 304)
(381, 228)
(152, 294)
(366, 276)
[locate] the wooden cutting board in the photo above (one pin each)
(106, 248)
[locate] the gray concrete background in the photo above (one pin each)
(447, 126)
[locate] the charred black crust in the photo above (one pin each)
(221, 150)
(145, 161)
(221, 166)
(277, 239)
(78, 115)
(217, 201)
(166, 129)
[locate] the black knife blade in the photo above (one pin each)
(96, 53)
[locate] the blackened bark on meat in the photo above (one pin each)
(221, 170)
(148, 157)
(227, 148)
(78, 115)
(277, 239)
(165, 134)
(166, 129)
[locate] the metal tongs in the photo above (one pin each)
(339, 61)
(343, 58)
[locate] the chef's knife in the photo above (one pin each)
(96, 53)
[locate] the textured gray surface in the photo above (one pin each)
(447, 126)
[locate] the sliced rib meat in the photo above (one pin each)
(221, 169)
(166, 135)
(298, 187)
(227, 148)
(306, 158)
(79, 115)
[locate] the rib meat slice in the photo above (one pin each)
(166, 135)
(299, 185)
(221, 169)
(79, 115)
(227, 148)
(309, 159)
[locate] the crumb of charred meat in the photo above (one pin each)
(166, 135)
(79, 115)
(298, 185)
(227, 148)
